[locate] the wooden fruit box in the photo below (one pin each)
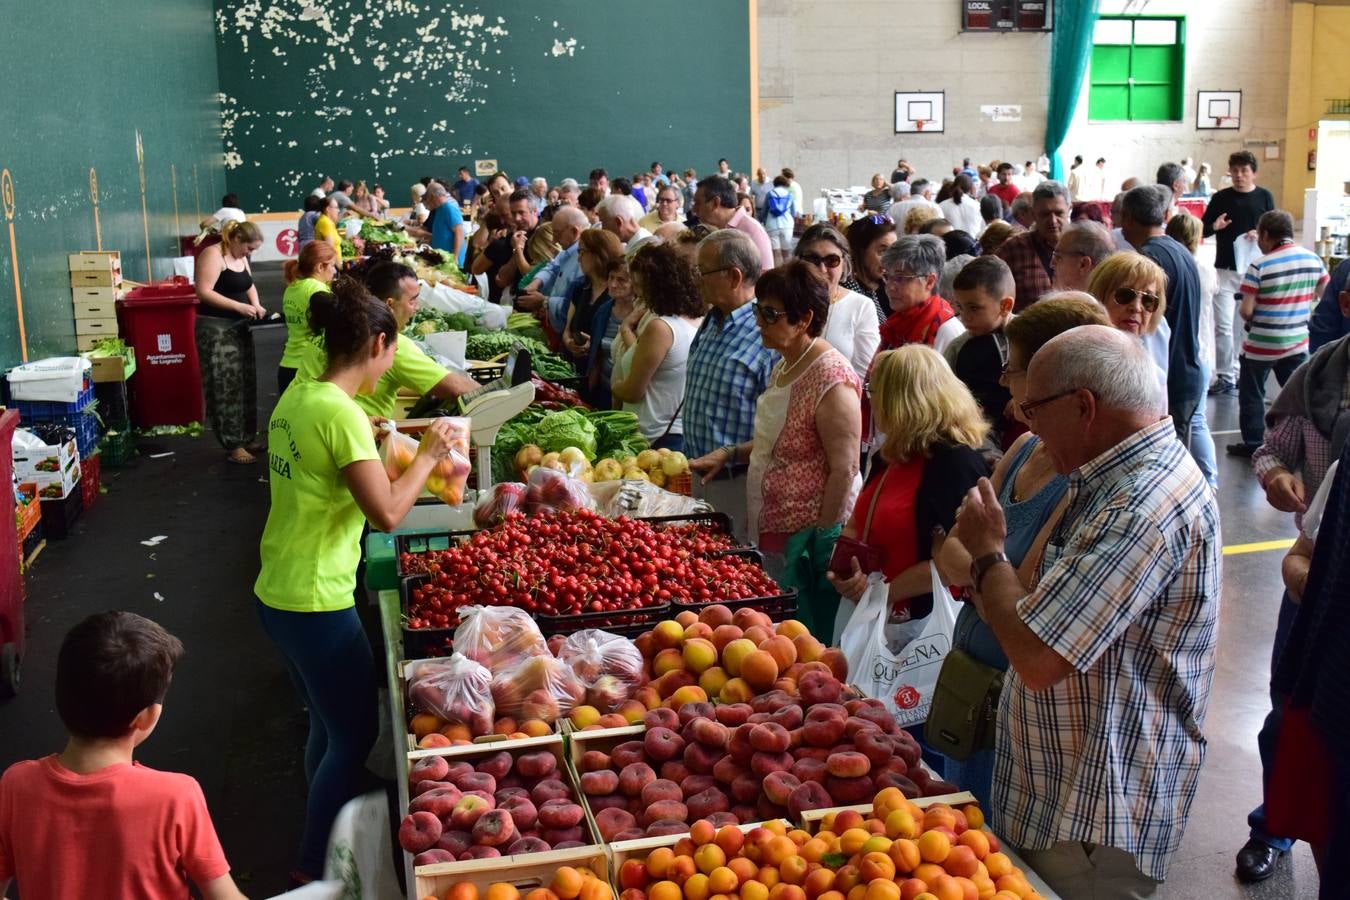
(604, 740)
(526, 871)
(811, 818)
(405, 669)
(622, 851)
(472, 752)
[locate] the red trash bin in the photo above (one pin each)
(160, 320)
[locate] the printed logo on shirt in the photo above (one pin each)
(280, 436)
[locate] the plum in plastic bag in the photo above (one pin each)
(456, 689)
(505, 499)
(498, 636)
(609, 666)
(538, 687)
(548, 489)
(448, 477)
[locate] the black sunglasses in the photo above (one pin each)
(767, 313)
(829, 261)
(1124, 296)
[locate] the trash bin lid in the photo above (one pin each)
(176, 290)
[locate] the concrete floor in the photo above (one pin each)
(232, 720)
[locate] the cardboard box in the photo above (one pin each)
(55, 485)
(95, 279)
(96, 261)
(85, 342)
(95, 293)
(90, 303)
(47, 459)
(99, 327)
(112, 368)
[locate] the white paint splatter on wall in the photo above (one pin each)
(404, 63)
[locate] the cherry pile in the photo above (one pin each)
(579, 562)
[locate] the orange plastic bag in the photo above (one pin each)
(449, 477)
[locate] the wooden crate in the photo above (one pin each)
(622, 851)
(93, 307)
(405, 667)
(85, 342)
(98, 328)
(526, 872)
(95, 261)
(605, 740)
(89, 278)
(812, 817)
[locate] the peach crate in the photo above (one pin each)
(526, 872)
(622, 851)
(405, 669)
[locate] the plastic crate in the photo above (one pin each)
(114, 405)
(117, 447)
(628, 623)
(423, 643)
(87, 433)
(30, 543)
(424, 543)
(778, 607)
(44, 411)
(58, 516)
(90, 479)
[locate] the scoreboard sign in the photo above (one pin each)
(1006, 15)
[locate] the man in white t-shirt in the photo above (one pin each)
(229, 210)
(324, 187)
(920, 197)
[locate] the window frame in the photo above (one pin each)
(1177, 84)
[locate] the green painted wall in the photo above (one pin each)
(391, 90)
(77, 79)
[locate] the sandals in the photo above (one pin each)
(241, 457)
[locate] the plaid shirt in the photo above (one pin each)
(728, 369)
(1021, 254)
(1295, 445)
(1129, 596)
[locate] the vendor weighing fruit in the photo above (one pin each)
(326, 480)
(396, 285)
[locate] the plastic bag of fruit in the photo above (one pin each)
(506, 498)
(549, 489)
(448, 477)
(498, 636)
(537, 687)
(456, 689)
(609, 666)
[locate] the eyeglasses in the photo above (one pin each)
(1124, 296)
(1058, 255)
(1006, 372)
(667, 199)
(767, 313)
(829, 261)
(1029, 407)
(901, 277)
(704, 273)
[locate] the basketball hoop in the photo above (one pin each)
(1220, 121)
(920, 123)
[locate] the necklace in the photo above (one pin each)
(795, 362)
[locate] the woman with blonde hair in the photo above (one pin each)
(229, 299)
(1133, 289)
(878, 199)
(993, 236)
(916, 218)
(929, 458)
(1032, 495)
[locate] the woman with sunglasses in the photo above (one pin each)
(1133, 288)
(1032, 495)
(803, 457)
(868, 238)
(851, 327)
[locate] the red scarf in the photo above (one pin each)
(916, 325)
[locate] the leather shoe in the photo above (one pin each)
(1257, 861)
(1243, 450)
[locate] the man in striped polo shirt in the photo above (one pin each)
(1278, 292)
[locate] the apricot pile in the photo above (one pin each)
(432, 731)
(900, 852)
(568, 883)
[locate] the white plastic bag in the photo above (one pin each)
(56, 380)
(899, 663)
(359, 860)
(446, 299)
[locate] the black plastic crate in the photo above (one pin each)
(779, 607)
(58, 516)
(424, 643)
(629, 623)
(424, 543)
(114, 406)
(30, 543)
(717, 520)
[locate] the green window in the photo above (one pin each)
(1138, 69)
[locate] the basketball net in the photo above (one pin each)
(919, 123)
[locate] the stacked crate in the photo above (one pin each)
(95, 280)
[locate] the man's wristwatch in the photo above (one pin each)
(979, 567)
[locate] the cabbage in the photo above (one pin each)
(566, 428)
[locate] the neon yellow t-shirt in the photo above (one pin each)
(325, 230)
(295, 306)
(311, 543)
(412, 369)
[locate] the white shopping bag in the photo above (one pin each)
(360, 858)
(898, 663)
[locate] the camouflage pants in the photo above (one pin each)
(229, 379)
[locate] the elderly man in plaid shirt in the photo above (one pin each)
(1100, 736)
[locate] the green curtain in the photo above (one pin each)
(1070, 47)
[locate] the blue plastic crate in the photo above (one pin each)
(41, 411)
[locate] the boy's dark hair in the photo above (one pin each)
(1242, 158)
(230, 200)
(110, 667)
(987, 274)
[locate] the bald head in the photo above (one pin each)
(620, 213)
(568, 224)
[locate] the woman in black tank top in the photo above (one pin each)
(224, 342)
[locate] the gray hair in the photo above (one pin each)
(538, 181)
(569, 183)
(1088, 238)
(920, 186)
(570, 215)
(900, 190)
(735, 250)
(1168, 173)
(437, 190)
(1112, 364)
(620, 206)
(1021, 202)
(1147, 204)
(419, 189)
(920, 254)
(1049, 190)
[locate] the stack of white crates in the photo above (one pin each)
(95, 285)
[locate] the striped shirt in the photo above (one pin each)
(1285, 283)
(728, 369)
(1128, 595)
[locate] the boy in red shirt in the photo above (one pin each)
(88, 821)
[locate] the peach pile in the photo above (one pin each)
(900, 853)
(568, 883)
(432, 731)
(499, 807)
(778, 755)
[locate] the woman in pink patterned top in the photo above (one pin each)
(803, 475)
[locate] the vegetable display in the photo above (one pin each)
(573, 562)
(374, 233)
(430, 321)
(549, 365)
(616, 434)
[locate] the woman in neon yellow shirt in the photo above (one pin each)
(312, 272)
(326, 480)
(325, 226)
